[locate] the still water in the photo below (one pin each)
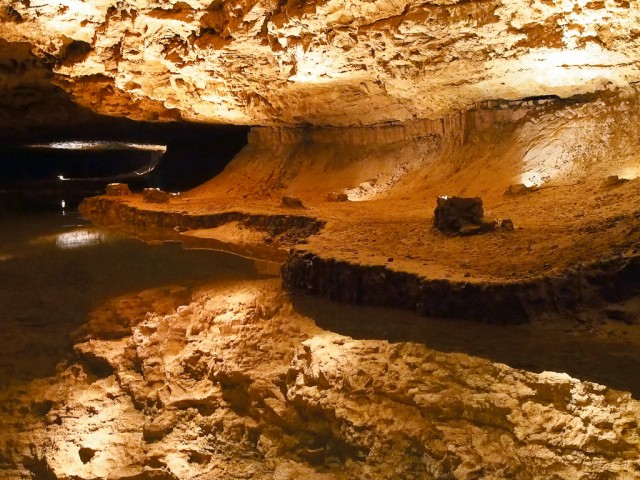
(56, 268)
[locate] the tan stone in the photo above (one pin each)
(116, 189)
(326, 62)
(239, 384)
(155, 195)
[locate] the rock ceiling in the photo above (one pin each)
(324, 62)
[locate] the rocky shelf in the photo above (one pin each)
(588, 285)
(585, 286)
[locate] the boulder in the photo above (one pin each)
(289, 201)
(337, 197)
(613, 181)
(117, 189)
(520, 189)
(155, 195)
(461, 216)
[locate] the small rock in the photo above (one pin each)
(155, 195)
(621, 315)
(520, 189)
(505, 224)
(117, 189)
(86, 454)
(292, 202)
(461, 216)
(337, 197)
(613, 181)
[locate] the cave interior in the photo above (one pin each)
(319, 239)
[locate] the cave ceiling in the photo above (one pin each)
(324, 62)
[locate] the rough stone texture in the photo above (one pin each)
(117, 189)
(324, 62)
(235, 383)
(155, 195)
(292, 202)
(459, 215)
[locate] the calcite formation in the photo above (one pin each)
(234, 383)
(323, 62)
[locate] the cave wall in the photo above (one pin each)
(478, 152)
(324, 62)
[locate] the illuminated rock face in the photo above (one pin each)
(327, 62)
(236, 384)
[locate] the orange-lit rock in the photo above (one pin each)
(324, 61)
(236, 383)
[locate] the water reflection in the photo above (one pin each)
(57, 269)
(81, 238)
(99, 145)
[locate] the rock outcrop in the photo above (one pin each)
(235, 383)
(461, 216)
(324, 62)
(155, 195)
(117, 189)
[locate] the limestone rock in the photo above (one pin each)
(289, 201)
(237, 384)
(323, 62)
(337, 197)
(155, 195)
(116, 189)
(461, 216)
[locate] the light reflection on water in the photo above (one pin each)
(80, 238)
(99, 145)
(56, 269)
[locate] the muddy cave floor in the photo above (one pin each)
(558, 226)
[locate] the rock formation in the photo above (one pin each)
(363, 114)
(234, 383)
(460, 215)
(323, 62)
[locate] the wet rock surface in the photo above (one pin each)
(586, 286)
(104, 211)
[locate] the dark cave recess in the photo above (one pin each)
(194, 153)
